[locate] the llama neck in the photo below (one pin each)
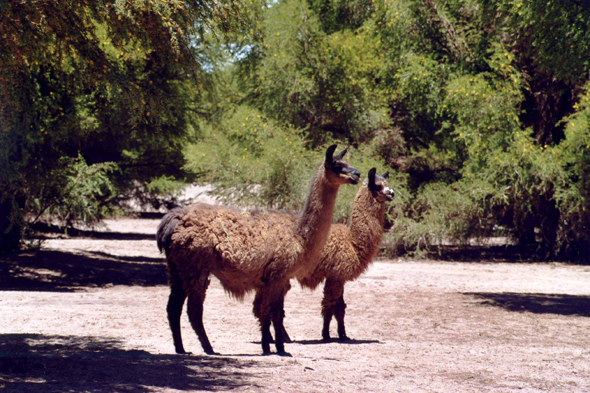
(314, 223)
(366, 225)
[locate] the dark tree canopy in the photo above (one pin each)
(95, 100)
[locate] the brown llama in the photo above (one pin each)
(350, 249)
(247, 251)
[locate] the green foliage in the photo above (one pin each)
(548, 33)
(572, 183)
(462, 97)
(252, 161)
(76, 192)
(479, 107)
(323, 84)
(419, 97)
(510, 186)
(338, 15)
(99, 82)
(444, 213)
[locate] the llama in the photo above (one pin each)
(258, 250)
(350, 249)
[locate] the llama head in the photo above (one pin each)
(379, 187)
(339, 171)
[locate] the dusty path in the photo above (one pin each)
(89, 315)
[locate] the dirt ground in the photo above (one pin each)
(88, 315)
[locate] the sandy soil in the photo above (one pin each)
(88, 315)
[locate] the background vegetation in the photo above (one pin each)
(481, 108)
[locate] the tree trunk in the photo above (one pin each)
(11, 225)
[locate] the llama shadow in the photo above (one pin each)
(58, 271)
(351, 341)
(538, 303)
(39, 363)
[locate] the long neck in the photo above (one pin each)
(366, 224)
(315, 220)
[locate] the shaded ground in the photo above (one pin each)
(88, 314)
(39, 363)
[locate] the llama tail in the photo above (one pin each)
(166, 228)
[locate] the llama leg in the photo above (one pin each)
(327, 314)
(286, 337)
(261, 311)
(339, 311)
(196, 297)
(277, 322)
(332, 291)
(174, 310)
(268, 309)
(266, 336)
(277, 313)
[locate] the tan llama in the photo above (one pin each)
(350, 249)
(247, 251)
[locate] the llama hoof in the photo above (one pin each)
(344, 339)
(326, 339)
(285, 354)
(183, 352)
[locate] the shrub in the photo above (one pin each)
(252, 161)
(78, 192)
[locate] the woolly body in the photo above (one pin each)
(214, 238)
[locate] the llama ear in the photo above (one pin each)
(372, 172)
(385, 175)
(330, 154)
(342, 153)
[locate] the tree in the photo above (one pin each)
(96, 101)
(472, 99)
(513, 83)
